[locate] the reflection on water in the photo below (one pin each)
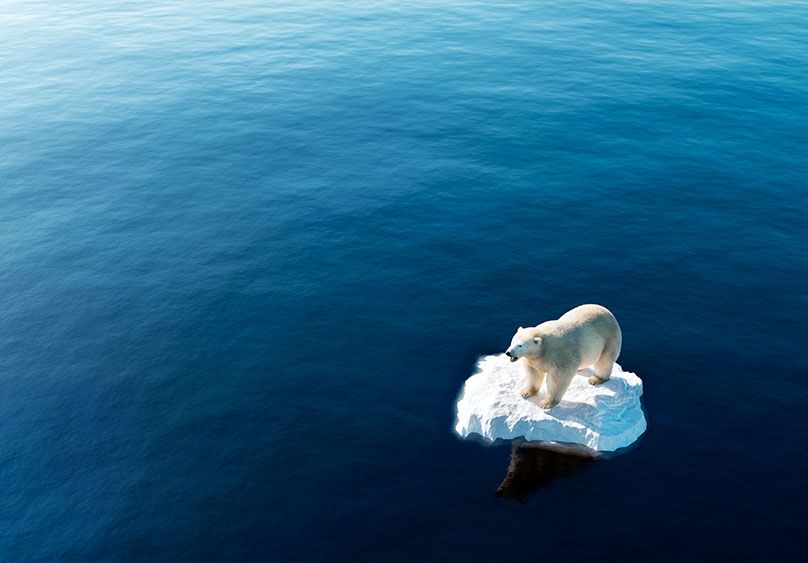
(532, 468)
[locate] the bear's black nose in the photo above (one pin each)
(507, 353)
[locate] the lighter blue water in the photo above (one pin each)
(250, 251)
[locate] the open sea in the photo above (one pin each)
(251, 250)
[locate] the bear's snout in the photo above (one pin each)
(511, 356)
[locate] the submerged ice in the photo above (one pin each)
(602, 417)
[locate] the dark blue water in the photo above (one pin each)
(250, 251)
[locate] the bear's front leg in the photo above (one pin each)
(557, 383)
(533, 380)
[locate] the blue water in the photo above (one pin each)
(250, 251)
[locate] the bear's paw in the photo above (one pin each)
(528, 392)
(547, 403)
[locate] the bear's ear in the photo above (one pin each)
(537, 340)
(521, 328)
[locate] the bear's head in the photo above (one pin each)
(525, 343)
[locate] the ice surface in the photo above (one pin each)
(602, 417)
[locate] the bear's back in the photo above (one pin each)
(584, 314)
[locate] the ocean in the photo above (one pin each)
(250, 251)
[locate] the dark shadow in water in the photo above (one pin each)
(533, 468)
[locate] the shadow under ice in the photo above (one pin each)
(532, 468)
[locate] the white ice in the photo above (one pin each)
(602, 417)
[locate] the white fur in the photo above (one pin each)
(585, 336)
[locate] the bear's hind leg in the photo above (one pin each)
(602, 368)
(533, 381)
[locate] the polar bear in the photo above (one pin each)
(585, 336)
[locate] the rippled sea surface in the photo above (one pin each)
(250, 251)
